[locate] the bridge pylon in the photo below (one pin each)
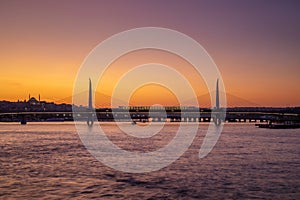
(217, 112)
(90, 118)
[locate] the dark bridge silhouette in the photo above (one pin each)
(158, 114)
(143, 114)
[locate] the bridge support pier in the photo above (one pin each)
(90, 120)
(217, 120)
(23, 121)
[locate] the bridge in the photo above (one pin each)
(145, 115)
(158, 114)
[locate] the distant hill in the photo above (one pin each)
(231, 101)
(103, 100)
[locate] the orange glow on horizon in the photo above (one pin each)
(143, 96)
(152, 94)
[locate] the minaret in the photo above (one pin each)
(39, 98)
(28, 97)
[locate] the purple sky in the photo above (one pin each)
(255, 43)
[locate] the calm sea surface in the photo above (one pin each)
(49, 161)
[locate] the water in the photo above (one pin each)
(48, 161)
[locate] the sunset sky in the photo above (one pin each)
(255, 44)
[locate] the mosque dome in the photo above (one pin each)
(33, 101)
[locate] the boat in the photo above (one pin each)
(55, 119)
(280, 125)
(140, 123)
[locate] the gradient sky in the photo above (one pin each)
(255, 44)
